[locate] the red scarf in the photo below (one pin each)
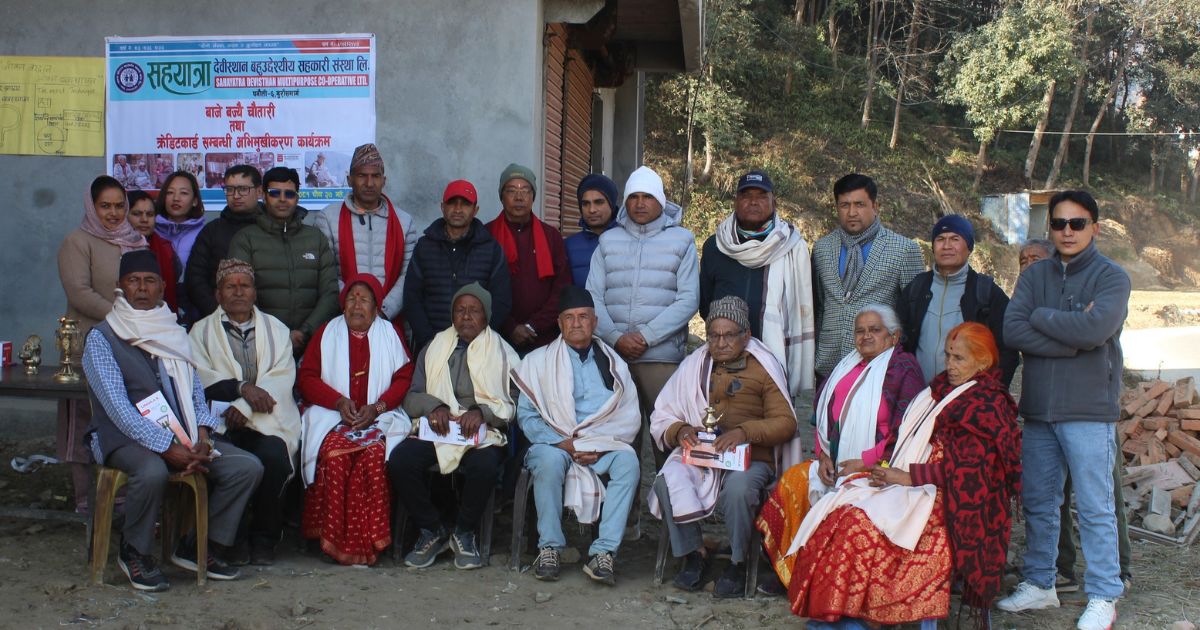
(541, 247)
(982, 469)
(393, 256)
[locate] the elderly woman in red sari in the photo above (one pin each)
(858, 409)
(886, 546)
(355, 374)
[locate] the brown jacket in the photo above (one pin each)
(88, 267)
(745, 397)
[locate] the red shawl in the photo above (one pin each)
(393, 256)
(166, 262)
(541, 247)
(982, 471)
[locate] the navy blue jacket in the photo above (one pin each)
(721, 275)
(580, 247)
(440, 267)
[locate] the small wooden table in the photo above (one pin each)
(14, 382)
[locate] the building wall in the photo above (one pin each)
(459, 95)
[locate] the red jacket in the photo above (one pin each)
(318, 392)
(170, 267)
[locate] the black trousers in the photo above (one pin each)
(409, 473)
(266, 506)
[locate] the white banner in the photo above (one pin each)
(204, 104)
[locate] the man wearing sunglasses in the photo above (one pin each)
(243, 189)
(294, 266)
(1066, 317)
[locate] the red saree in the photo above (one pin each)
(348, 506)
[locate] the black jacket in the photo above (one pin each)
(721, 275)
(440, 267)
(212, 246)
(982, 302)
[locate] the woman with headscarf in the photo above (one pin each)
(887, 545)
(355, 374)
(88, 263)
(858, 409)
(142, 217)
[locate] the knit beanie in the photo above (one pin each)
(730, 307)
(516, 171)
(645, 180)
(480, 293)
(601, 184)
(959, 225)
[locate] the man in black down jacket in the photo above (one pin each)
(455, 251)
(243, 189)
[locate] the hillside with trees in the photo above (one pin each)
(942, 102)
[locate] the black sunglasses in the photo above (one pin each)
(291, 194)
(1059, 225)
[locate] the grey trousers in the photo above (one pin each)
(737, 503)
(232, 479)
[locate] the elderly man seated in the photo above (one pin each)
(747, 392)
(461, 385)
(580, 427)
(136, 356)
(244, 359)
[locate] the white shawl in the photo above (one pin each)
(788, 316)
(545, 378)
(387, 356)
(694, 489)
(276, 371)
(489, 360)
(900, 512)
(158, 332)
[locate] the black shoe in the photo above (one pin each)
(691, 576)
(546, 566)
(262, 554)
(601, 568)
(732, 582)
(184, 557)
(429, 545)
(771, 586)
(143, 573)
(236, 556)
(466, 552)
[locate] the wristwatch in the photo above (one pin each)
(380, 407)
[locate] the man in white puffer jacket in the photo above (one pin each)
(645, 280)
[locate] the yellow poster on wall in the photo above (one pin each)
(52, 106)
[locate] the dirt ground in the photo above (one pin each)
(43, 578)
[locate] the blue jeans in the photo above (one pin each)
(548, 466)
(1087, 450)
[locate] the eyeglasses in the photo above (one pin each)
(274, 193)
(518, 192)
(1059, 225)
(234, 191)
(722, 338)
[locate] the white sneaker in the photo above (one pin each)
(1029, 597)
(1100, 615)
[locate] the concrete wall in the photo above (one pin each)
(459, 95)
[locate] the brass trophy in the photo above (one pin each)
(710, 423)
(68, 341)
(31, 354)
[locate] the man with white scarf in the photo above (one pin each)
(580, 428)
(859, 263)
(739, 378)
(244, 359)
(758, 256)
(136, 352)
(461, 377)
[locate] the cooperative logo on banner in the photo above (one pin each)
(129, 77)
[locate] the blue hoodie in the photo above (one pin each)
(581, 245)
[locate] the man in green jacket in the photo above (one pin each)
(294, 267)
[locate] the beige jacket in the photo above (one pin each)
(88, 268)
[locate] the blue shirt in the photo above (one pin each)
(590, 394)
(842, 257)
(105, 379)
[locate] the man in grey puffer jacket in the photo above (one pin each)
(1066, 317)
(645, 281)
